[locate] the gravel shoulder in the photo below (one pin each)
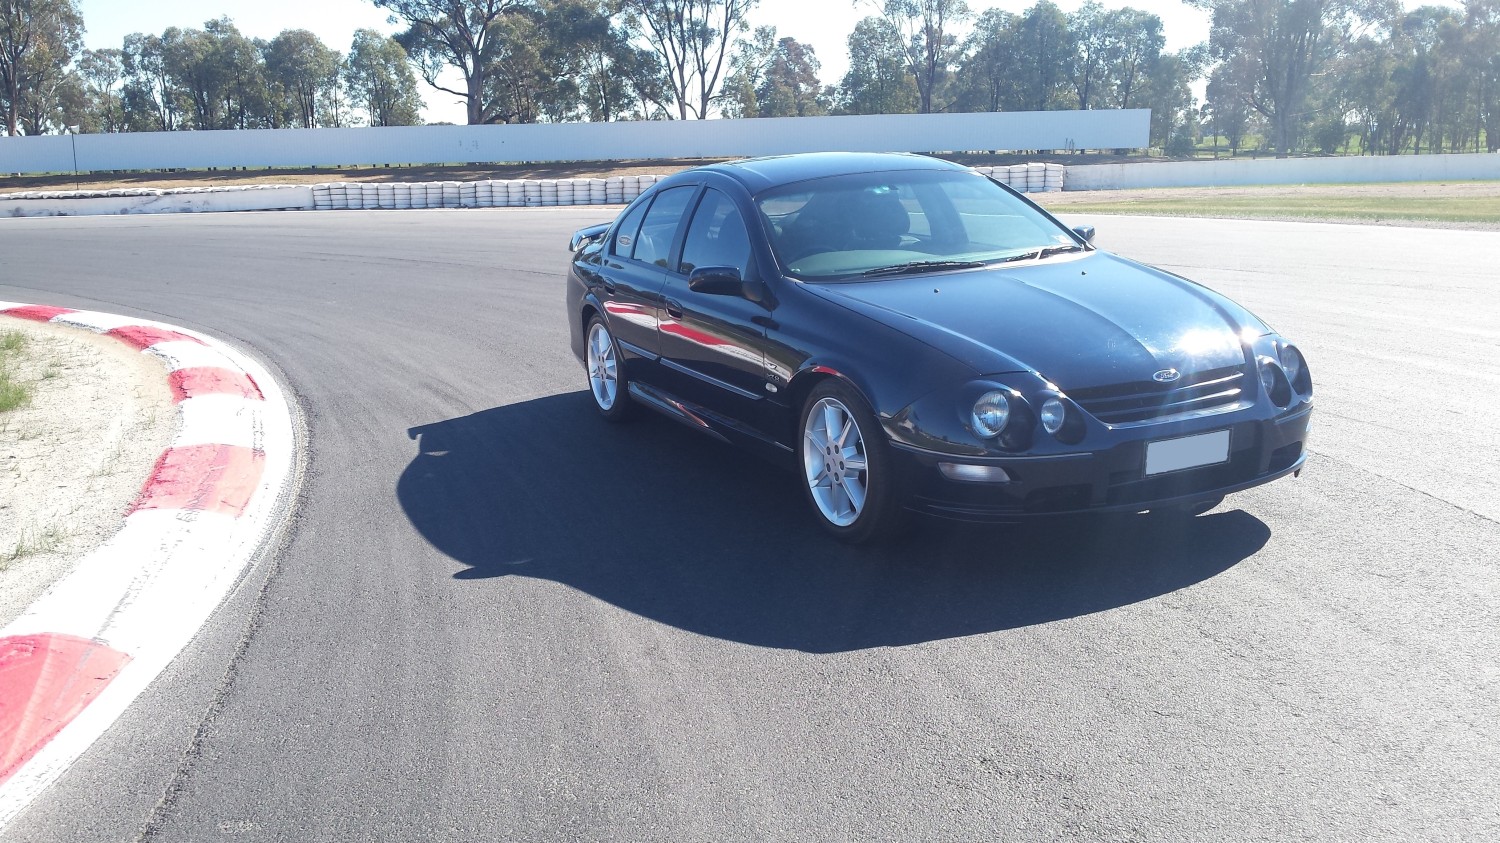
(73, 460)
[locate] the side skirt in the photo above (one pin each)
(725, 430)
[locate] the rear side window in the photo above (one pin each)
(716, 237)
(653, 244)
(625, 235)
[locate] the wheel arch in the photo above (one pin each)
(802, 385)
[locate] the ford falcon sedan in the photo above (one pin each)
(913, 336)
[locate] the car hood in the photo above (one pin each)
(1079, 322)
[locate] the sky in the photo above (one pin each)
(824, 24)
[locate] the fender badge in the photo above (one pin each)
(1166, 376)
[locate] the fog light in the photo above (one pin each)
(965, 473)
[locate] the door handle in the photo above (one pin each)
(674, 309)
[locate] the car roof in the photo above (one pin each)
(758, 174)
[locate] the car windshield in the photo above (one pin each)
(888, 224)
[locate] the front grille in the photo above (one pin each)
(1146, 400)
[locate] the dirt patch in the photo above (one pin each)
(73, 461)
(454, 172)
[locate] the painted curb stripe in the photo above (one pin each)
(84, 650)
(211, 380)
(144, 336)
(45, 681)
(204, 478)
(37, 313)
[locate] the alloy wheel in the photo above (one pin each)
(604, 379)
(834, 462)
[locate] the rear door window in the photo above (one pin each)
(653, 244)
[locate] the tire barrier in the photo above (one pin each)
(1028, 178)
(365, 196)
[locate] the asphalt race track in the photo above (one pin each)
(494, 617)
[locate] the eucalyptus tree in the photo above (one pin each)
(220, 73)
(928, 33)
(152, 99)
(877, 80)
(461, 34)
(303, 68)
(1094, 37)
(606, 71)
(1287, 44)
(989, 74)
(1226, 105)
(1132, 54)
(38, 39)
(1044, 58)
(1168, 92)
(102, 72)
(379, 80)
(747, 71)
(1482, 63)
(692, 40)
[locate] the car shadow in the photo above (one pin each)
(692, 533)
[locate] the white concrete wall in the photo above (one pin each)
(145, 201)
(1239, 172)
(578, 141)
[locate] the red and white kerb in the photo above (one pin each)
(78, 656)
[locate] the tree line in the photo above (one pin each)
(1300, 75)
(209, 78)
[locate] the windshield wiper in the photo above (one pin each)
(1045, 251)
(921, 266)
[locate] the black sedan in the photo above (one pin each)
(913, 336)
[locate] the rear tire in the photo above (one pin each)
(848, 473)
(608, 385)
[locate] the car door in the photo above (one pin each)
(634, 269)
(711, 343)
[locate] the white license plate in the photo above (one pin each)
(1187, 452)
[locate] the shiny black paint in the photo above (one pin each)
(920, 349)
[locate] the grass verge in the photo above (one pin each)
(13, 395)
(44, 540)
(1450, 209)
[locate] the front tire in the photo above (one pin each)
(608, 385)
(848, 474)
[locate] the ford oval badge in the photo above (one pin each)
(1166, 376)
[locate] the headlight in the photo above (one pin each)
(1054, 414)
(1291, 360)
(991, 413)
(1273, 378)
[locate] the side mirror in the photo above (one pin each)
(586, 236)
(717, 281)
(1086, 232)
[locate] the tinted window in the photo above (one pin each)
(716, 237)
(654, 242)
(625, 235)
(842, 226)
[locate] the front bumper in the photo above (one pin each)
(1107, 479)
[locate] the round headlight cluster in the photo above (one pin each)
(1268, 378)
(1291, 361)
(991, 414)
(1274, 379)
(1054, 414)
